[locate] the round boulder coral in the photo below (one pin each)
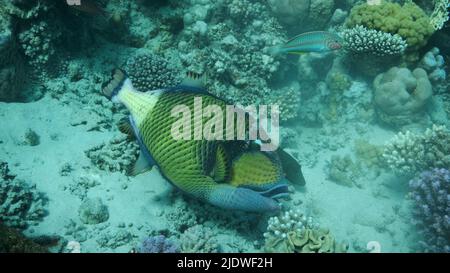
(401, 95)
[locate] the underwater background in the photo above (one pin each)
(369, 123)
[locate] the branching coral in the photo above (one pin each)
(38, 43)
(294, 232)
(117, 155)
(430, 193)
(149, 72)
(20, 203)
(408, 21)
(440, 14)
(362, 40)
(401, 95)
(409, 154)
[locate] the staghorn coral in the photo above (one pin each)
(20, 203)
(408, 21)
(150, 72)
(362, 40)
(158, 244)
(198, 239)
(401, 95)
(408, 154)
(115, 156)
(294, 232)
(430, 193)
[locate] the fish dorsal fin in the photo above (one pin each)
(193, 82)
(292, 40)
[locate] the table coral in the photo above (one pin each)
(362, 40)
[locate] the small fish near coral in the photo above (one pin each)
(315, 41)
(232, 174)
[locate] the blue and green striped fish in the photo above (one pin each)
(315, 41)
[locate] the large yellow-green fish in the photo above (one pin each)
(228, 174)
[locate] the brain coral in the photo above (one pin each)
(401, 95)
(409, 21)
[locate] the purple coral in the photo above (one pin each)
(431, 196)
(158, 244)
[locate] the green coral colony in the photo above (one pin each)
(364, 121)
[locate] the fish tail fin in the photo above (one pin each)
(116, 84)
(274, 50)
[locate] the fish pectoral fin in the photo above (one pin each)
(292, 169)
(141, 165)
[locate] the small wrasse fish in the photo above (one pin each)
(230, 174)
(315, 41)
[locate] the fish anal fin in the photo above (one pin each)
(140, 166)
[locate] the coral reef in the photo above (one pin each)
(198, 239)
(158, 244)
(409, 154)
(38, 43)
(315, 13)
(440, 14)
(12, 241)
(408, 21)
(20, 203)
(362, 40)
(430, 193)
(116, 156)
(401, 96)
(294, 232)
(434, 64)
(93, 211)
(150, 72)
